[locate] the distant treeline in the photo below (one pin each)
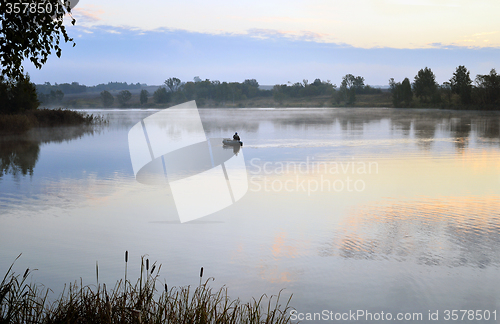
(54, 93)
(75, 87)
(459, 92)
(174, 91)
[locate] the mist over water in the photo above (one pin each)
(388, 210)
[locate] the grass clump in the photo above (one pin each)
(16, 124)
(143, 302)
(21, 123)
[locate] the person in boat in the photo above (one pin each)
(236, 137)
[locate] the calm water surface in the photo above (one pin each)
(347, 209)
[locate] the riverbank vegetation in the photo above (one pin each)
(460, 92)
(19, 109)
(146, 301)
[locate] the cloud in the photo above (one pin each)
(271, 56)
(290, 34)
(88, 15)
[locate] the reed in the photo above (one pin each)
(20, 123)
(25, 302)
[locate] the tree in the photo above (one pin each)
(17, 96)
(358, 84)
(144, 96)
(401, 92)
(425, 85)
(58, 95)
(107, 98)
(278, 94)
(173, 84)
(161, 95)
(461, 84)
(30, 33)
(447, 90)
(124, 96)
(397, 96)
(250, 88)
(488, 87)
(348, 88)
(406, 91)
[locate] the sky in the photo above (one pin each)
(275, 42)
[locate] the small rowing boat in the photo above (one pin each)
(228, 141)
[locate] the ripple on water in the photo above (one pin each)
(448, 231)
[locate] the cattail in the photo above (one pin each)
(26, 273)
(126, 263)
(201, 274)
(166, 288)
(153, 268)
(97, 272)
(147, 264)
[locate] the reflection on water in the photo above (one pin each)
(449, 232)
(18, 157)
(19, 154)
(425, 220)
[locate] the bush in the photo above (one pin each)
(161, 95)
(17, 96)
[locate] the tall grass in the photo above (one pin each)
(142, 302)
(20, 123)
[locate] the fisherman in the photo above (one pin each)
(236, 137)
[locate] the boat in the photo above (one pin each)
(229, 141)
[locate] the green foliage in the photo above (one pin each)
(406, 91)
(461, 84)
(173, 84)
(447, 91)
(350, 84)
(425, 86)
(107, 98)
(143, 97)
(57, 117)
(402, 95)
(17, 96)
(124, 96)
(487, 90)
(278, 93)
(20, 123)
(161, 95)
(30, 34)
(67, 88)
(52, 97)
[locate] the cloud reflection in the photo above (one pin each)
(451, 232)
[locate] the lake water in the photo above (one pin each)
(379, 210)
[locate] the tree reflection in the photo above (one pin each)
(19, 154)
(425, 131)
(18, 157)
(460, 129)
